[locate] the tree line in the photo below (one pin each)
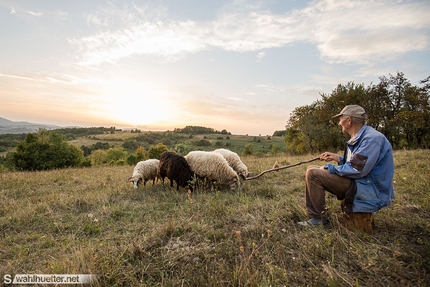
(198, 130)
(395, 107)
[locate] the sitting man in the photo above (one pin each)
(363, 176)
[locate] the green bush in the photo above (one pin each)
(46, 150)
(157, 150)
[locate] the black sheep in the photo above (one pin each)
(175, 168)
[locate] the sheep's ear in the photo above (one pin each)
(129, 179)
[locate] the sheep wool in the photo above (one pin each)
(213, 166)
(144, 171)
(234, 161)
(175, 168)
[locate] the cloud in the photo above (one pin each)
(260, 56)
(343, 31)
(12, 10)
(365, 31)
(169, 40)
(37, 14)
(46, 78)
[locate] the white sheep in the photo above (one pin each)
(234, 161)
(214, 167)
(144, 171)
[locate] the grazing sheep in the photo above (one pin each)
(175, 168)
(212, 166)
(234, 161)
(144, 171)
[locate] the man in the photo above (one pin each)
(363, 176)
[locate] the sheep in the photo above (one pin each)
(175, 168)
(144, 171)
(212, 166)
(234, 161)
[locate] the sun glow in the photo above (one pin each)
(140, 111)
(135, 104)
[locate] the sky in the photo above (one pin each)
(239, 65)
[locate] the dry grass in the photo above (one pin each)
(76, 221)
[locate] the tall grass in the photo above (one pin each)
(92, 221)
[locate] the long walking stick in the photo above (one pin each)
(282, 167)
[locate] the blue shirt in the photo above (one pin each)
(369, 161)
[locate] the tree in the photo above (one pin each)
(98, 157)
(183, 148)
(157, 150)
(115, 155)
(46, 150)
(249, 150)
(396, 108)
(141, 154)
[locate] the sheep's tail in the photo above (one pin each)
(282, 167)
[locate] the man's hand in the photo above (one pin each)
(329, 156)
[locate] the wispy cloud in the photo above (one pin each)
(37, 14)
(164, 39)
(343, 31)
(260, 56)
(46, 78)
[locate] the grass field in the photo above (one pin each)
(92, 221)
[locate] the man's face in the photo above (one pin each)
(345, 123)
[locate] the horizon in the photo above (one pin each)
(124, 128)
(239, 65)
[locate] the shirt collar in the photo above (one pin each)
(355, 138)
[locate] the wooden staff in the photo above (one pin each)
(282, 167)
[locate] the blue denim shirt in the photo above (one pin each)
(370, 163)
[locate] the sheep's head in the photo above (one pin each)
(243, 175)
(234, 183)
(135, 181)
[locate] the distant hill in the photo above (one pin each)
(10, 127)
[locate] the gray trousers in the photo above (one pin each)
(318, 181)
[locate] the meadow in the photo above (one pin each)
(92, 221)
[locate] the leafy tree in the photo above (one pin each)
(115, 154)
(157, 150)
(98, 157)
(130, 144)
(249, 149)
(141, 154)
(202, 143)
(131, 159)
(275, 149)
(280, 133)
(295, 142)
(183, 148)
(396, 108)
(46, 150)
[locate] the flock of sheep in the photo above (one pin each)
(221, 167)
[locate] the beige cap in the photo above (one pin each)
(352, 111)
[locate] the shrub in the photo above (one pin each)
(46, 150)
(116, 154)
(141, 154)
(98, 157)
(202, 143)
(157, 150)
(249, 150)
